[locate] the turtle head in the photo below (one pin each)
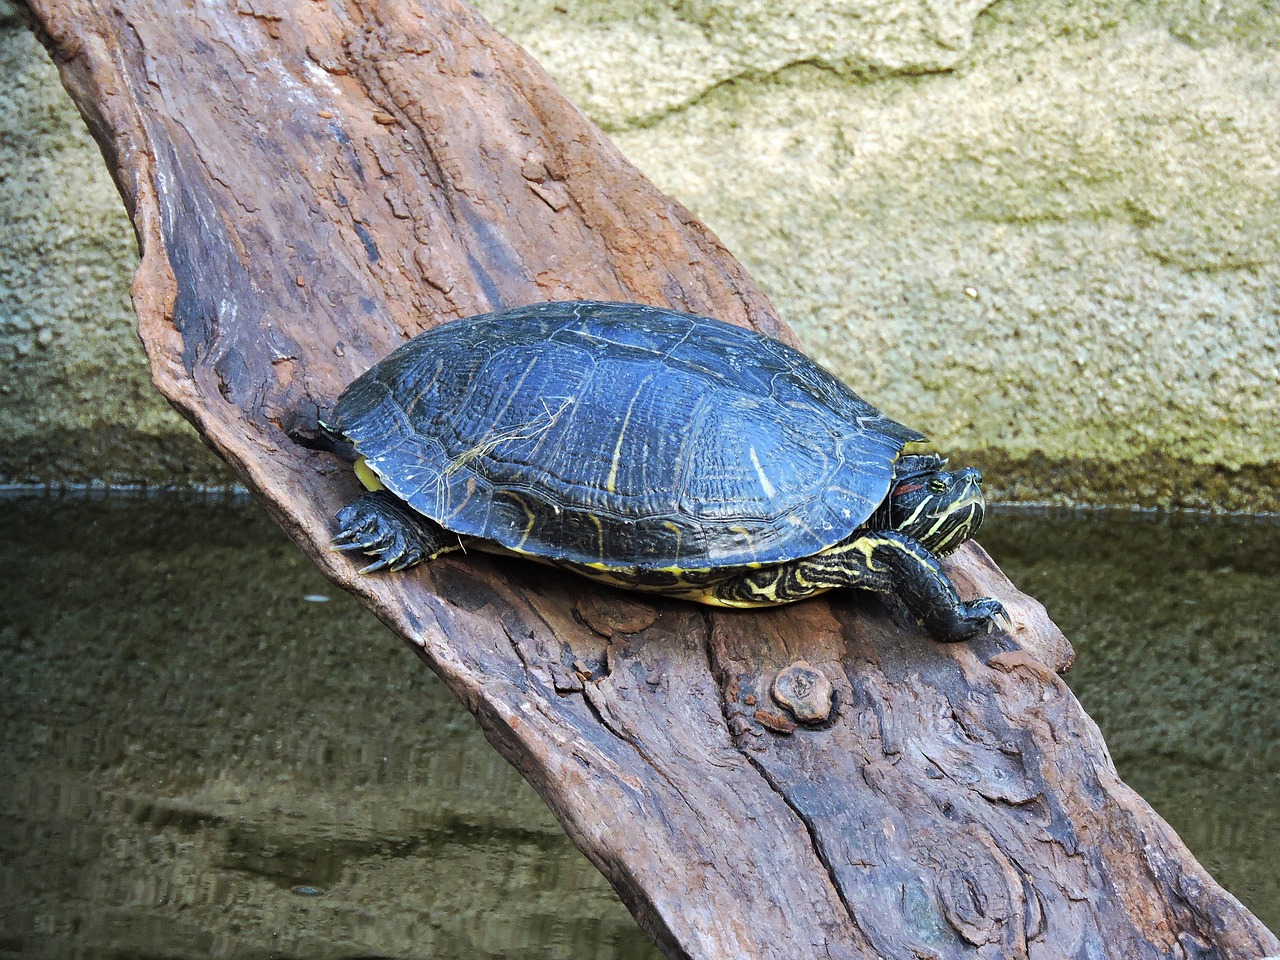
(940, 508)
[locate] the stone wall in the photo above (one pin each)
(1046, 234)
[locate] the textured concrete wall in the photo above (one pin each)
(76, 402)
(1046, 234)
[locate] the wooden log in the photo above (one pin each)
(313, 183)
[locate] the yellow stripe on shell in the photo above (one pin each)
(611, 483)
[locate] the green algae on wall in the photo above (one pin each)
(1049, 236)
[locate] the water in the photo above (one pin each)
(206, 751)
(1176, 625)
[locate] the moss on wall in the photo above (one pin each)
(1047, 235)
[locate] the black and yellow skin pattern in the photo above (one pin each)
(929, 513)
(653, 450)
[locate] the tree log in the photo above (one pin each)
(312, 184)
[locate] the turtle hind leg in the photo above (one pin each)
(381, 525)
(928, 592)
(882, 561)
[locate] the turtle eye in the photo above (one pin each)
(937, 485)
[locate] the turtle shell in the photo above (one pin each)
(622, 436)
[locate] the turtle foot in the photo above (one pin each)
(976, 616)
(379, 525)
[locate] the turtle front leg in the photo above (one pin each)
(381, 525)
(882, 561)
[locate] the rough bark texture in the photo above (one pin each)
(314, 183)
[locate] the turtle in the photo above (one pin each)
(654, 450)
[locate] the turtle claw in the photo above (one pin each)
(353, 525)
(390, 547)
(969, 619)
(411, 557)
(377, 565)
(989, 611)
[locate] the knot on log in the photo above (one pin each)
(803, 690)
(979, 903)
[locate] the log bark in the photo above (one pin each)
(313, 183)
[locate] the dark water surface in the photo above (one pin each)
(200, 756)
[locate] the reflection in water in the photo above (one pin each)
(202, 756)
(1176, 624)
